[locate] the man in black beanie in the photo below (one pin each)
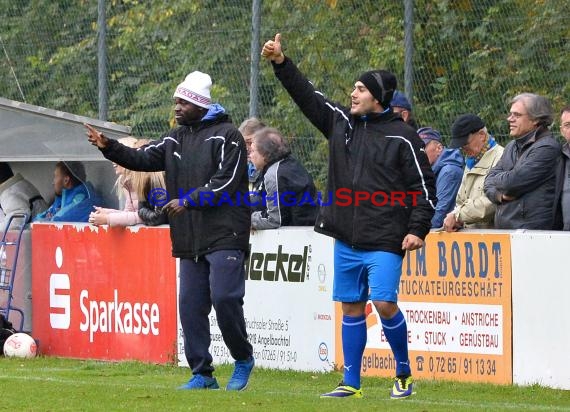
(381, 84)
(371, 151)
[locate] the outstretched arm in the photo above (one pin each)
(150, 159)
(321, 112)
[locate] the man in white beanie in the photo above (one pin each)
(205, 161)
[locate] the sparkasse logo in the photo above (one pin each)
(118, 316)
(59, 301)
(59, 296)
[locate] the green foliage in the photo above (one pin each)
(479, 54)
(469, 56)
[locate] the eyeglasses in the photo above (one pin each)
(516, 115)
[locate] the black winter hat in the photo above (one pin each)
(381, 84)
(462, 127)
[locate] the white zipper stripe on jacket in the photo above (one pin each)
(222, 138)
(153, 145)
(418, 167)
(221, 161)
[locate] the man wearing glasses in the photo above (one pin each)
(562, 200)
(522, 184)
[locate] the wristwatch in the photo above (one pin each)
(186, 203)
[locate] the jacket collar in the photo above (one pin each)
(215, 114)
(385, 116)
(268, 165)
(565, 150)
(531, 137)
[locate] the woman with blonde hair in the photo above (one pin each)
(150, 189)
(128, 216)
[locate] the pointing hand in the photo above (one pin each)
(95, 137)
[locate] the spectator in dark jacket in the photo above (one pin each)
(522, 183)
(284, 193)
(562, 199)
(447, 165)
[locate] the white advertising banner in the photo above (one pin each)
(541, 325)
(288, 307)
(448, 327)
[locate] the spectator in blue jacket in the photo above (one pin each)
(74, 197)
(447, 165)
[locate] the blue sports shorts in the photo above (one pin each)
(362, 275)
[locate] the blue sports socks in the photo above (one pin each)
(353, 344)
(396, 332)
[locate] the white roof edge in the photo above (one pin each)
(43, 111)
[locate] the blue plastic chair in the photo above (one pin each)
(8, 268)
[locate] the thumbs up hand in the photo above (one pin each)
(272, 50)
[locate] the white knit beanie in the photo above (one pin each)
(195, 89)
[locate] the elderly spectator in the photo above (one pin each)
(401, 105)
(247, 129)
(522, 184)
(562, 199)
(472, 208)
(284, 193)
(447, 165)
(17, 195)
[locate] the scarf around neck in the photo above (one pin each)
(471, 161)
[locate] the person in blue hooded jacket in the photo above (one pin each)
(447, 165)
(74, 197)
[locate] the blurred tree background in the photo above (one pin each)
(469, 56)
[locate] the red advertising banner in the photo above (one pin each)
(104, 293)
